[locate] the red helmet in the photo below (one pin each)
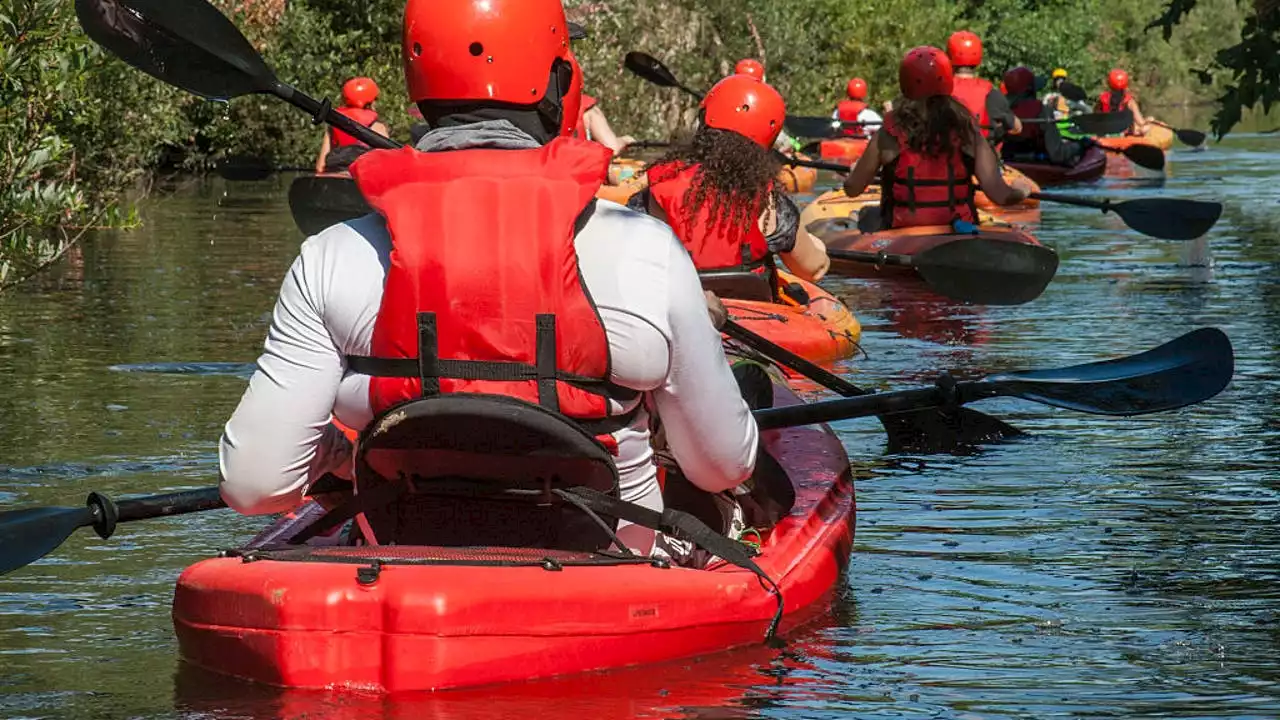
(857, 89)
(745, 105)
(1019, 80)
(489, 50)
(965, 49)
(1118, 80)
(750, 67)
(359, 92)
(925, 72)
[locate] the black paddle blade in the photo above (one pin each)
(186, 43)
(28, 535)
(650, 68)
(1147, 156)
(1169, 218)
(810, 127)
(319, 202)
(1182, 372)
(985, 271)
(1073, 92)
(1194, 138)
(1102, 123)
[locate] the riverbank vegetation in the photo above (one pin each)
(82, 130)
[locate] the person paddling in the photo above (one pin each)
(929, 148)
(854, 109)
(488, 268)
(720, 194)
(1119, 99)
(338, 149)
(1038, 141)
(984, 101)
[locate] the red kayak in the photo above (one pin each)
(407, 618)
(1091, 166)
(842, 150)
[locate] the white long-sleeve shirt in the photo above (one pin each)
(661, 341)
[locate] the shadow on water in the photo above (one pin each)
(1100, 568)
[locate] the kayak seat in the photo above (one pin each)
(738, 284)
(462, 470)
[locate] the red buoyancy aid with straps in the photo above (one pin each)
(924, 190)
(1114, 102)
(363, 116)
(718, 246)
(972, 92)
(484, 293)
(848, 111)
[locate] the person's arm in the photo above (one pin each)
(709, 428)
(381, 129)
(1002, 119)
(600, 131)
(803, 254)
(867, 168)
(987, 169)
(280, 439)
(1139, 122)
(324, 154)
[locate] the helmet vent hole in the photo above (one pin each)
(417, 49)
(476, 49)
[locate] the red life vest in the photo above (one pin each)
(363, 116)
(1114, 102)
(848, 111)
(721, 246)
(580, 130)
(484, 294)
(972, 92)
(923, 190)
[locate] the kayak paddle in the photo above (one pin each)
(820, 127)
(1194, 138)
(318, 202)
(1140, 154)
(193, 46)
(1164, 218)
(30, 534)
(926, 431)
(1182, 372)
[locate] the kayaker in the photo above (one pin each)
(338, 149)
(1118, 99)
(854, 109)
(929, 148)
(719, 193)
(1038, 141)
(984, 101)
(489, 221)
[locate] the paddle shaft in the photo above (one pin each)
(1103, 205)
(176, 503)
(867, 405)
(323, 112)
(883, 259)
(786, 358)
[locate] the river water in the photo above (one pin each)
(1102, 568)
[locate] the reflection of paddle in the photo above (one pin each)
(974, 269)
(246, 168)
(1194, 138)
(1164, 218)
(1185, 371)
(1188, 370)
(927, 431)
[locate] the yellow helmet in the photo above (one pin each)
(1059, 73)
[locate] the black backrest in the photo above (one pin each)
(738, 284)
(478, 469)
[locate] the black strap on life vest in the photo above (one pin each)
(889, 179)
(670, 522)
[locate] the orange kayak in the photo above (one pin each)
(835, 204)
(798, 179)
(1011, 174)
(822, 330)
(1156, 136)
